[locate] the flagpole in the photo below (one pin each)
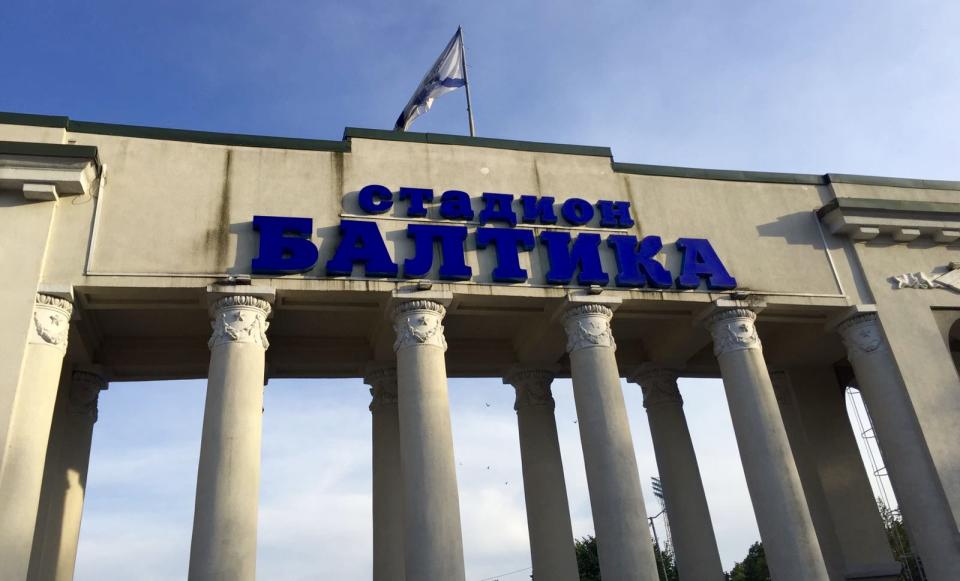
(466, 83)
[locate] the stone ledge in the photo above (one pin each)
(901, 220)
(43, 171)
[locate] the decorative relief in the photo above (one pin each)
(84, 394)
(240, 319)
(659, 385)
(383, 386)
(588, 325)
(51, 321)
(861, 334)
(532, 387)
(733, 330)
(921, 280)
(419, 322)
(914, 280)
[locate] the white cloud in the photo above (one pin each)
(315, 512)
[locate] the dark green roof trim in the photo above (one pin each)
(210, 138)
(719, 174)
(237, 139)
(917, 184)
(48, 150)
(444, 139)
(34, 120)
(782, 178)
(889, 206)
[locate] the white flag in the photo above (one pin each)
(447, 74)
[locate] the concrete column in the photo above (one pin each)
(21, 475)
(387, 476)
(433, 541)
(809, 478)
(818, 400)
(224, 544)
(545, 492)
(619, 515)
(925, 509)
(789, 539)
(691, 529)
(55, 542)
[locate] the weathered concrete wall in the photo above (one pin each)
(174, 215)
(180, 208)
(23, 244)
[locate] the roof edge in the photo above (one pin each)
(920, 184)
(446, 139)
(162, 133)
(50, 150)
(888, 206)
(296, 143)
(719, 174)
(33, 120)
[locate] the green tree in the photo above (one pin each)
(900, 542)
(666, 566)
(588, 563)
(753, 567)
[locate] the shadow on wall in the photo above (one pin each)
(796, 228)
(247, 247)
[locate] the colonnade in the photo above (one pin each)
(417, 533)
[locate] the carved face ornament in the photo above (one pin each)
(594, 331)
(867, 339)
(50, 327)
(242, 326)
(741, 333)
(423, 327)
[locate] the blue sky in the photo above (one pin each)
(859, 86)
(854, 86)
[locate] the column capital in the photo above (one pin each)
(659, 385)
(85, 388)
(532, 386)
(588, 325)
(382, 380)
(862, 334)
(240, 319)
(733, 329)
(51, 321)
(418, 322)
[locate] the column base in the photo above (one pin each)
(884, 572)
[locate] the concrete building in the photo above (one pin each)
(134, 253)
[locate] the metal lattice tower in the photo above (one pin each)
(657, 486)
(873, 458)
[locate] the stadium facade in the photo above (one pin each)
(135, 253)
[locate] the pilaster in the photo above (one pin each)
(926, 512)
(21, 475)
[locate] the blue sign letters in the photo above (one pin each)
(285, 245)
